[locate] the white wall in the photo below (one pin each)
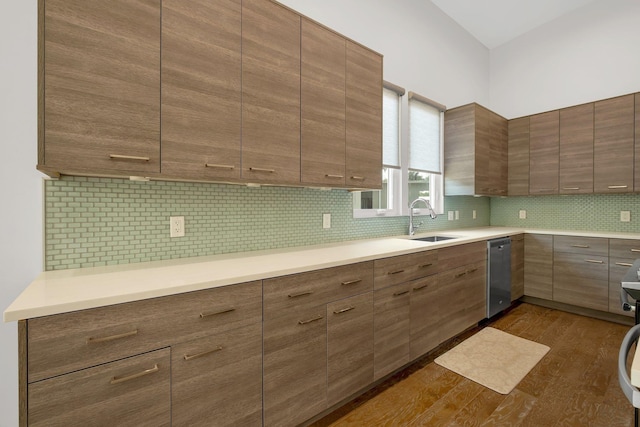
(20, 183)
(587, 55)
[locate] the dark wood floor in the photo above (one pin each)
(575, 384)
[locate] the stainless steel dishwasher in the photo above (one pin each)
(498, 275)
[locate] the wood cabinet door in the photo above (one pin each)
(217, 380)
(498, 149)
(622, 254)
(518, 148)
(613, 149)
(486, 167)
(322, 108)
(349, 346)
(132, 392)
(100, 73)
(391, 328)
(576, 149)
(517, 266)
(460, 150)
(295, 367)
(363, 118)
(425, 310)
(201, 112)
(538, 266)
(270, 93)
(637, 144)
(544, 136)
(581, 280)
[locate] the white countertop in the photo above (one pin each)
(55, 292)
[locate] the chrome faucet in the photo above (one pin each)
(432, 214)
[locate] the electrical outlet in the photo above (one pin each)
(625, 216)
(474, 214)
(522, 214)
(326, 220)
(176, 226)
(450, 215)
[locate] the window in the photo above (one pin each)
(411, 169)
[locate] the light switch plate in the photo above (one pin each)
(176, 226)
(326, 220)
(625, 216)
(450, 215)
(474, 214)
(522, 214)
(457, 215)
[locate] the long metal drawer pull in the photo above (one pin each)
(118, 380)
(581, 246)
(425, 265)
(397, 294)
(302, 294)
(92, 340)
(395, 272)
(615, 187)
(418, 288)
(121, 157)
(461, 274)
(594, 261)
(358, 178)
(315, 319)
(334, 176)
(204, 353)
(351, 282)
(344, 310)
(635, 250)
(213, 313)
(570, 188)
(211, 165)
(262, 170)
(624, 264)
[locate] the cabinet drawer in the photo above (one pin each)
(210, 372)
(131, 392)
(67, 342)
(300, 292)
(581, 280)
(394, 270)
(455, 256)
(581, 245)
(624, 248)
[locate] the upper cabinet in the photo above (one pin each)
(217, 90)
(637, 145)
(544, 145)
(576, 149)
(518, 182)
(99, 87)
(475, 152)
(201, 89)
(613, 150)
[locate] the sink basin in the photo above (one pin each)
(434, 238)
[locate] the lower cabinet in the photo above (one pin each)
(538, 266)
(622, 254)
(391, 323)
(135, 392)
(517, 266)
(425, 311)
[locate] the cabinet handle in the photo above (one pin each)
(315, 319)
(581, 246)
(351, 282)
(395, 272)
(204, 353)
(570, 188)
(92, 340)
(117, 380)
(617, 187)
(262, 170)
(635, 250)
(302, 294)
(397, 294)
(425, 265)
(344, 310)
(334, 176)
(594, 261)
(418, 288)
(211, 165)
(121, 157)
(541, 190)
(213, 313)
(472, 270)
(358, 178)
(460, 274)
(624, 264)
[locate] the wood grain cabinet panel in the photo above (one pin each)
(576, 149)
(323, 75)
(395, 270)
(459, 255)
(622, 254)
(217, 380)
(517, 266)
(349, 346)
(581, 245)
(201, 113)
(363, 118)
(581, 280)
(270, 93)
(100, 74)
(544, 148)
(130, 392)
(295, 367)
(426, 308)
(637, 144)
(614, 145)
(538, 266)
(518, 157)
(391, 329)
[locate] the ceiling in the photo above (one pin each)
(495, 22)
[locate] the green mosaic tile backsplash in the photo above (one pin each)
(98, 221)
(598, 212)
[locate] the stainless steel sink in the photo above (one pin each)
(434, 238)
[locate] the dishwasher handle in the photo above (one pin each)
(624, 300)
(632, 393)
